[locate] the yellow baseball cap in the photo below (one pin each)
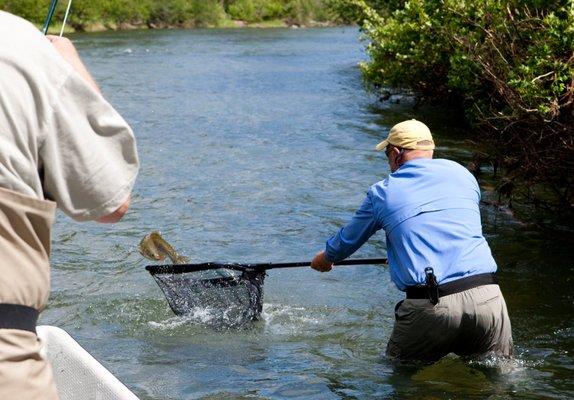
(411, 134)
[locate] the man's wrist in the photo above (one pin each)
(327, 257)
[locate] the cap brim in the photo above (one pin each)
(383, 145)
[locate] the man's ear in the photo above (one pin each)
(400, 154)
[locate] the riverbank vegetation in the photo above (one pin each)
(90, 15)
(508, 65)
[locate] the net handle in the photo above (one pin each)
(183, 268)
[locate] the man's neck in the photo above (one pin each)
(414, 154)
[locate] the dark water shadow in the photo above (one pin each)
(455, 378)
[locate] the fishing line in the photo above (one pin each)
(66, 17)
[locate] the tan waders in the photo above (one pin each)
(25, 225)
(473, 322)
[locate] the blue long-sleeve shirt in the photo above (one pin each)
(429, 211)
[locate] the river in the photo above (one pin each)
(256, 145)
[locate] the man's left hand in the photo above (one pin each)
(320, 263)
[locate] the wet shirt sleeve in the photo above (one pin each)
(88, 153)
(353, 235)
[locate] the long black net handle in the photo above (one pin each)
(183, 268)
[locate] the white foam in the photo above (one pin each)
(197, 315)
(506, 366)
(282, 319)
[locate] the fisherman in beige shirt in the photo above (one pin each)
(61, 145)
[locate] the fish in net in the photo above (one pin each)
(223, 296)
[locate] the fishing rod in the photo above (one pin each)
(185, 268)
(51, 10)
(48, 19)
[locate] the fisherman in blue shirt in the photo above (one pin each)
(437, 254)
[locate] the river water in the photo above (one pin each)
(256, 145)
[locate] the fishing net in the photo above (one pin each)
(218, 296)
(229, 294)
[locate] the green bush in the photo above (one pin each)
(304, 11)
(165, 13)
(348, 11)
(120, 11)
(172, 12)
(255, 10)
(243, 10)
(32, 10)
(83, 13)
(207, 12)
(107, 12)
(509, 63)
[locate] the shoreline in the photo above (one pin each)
(103, 26)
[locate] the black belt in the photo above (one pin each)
(15, 316)
(460, 285)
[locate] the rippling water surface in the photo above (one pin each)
(256, 145)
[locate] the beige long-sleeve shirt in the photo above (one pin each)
(61, 144)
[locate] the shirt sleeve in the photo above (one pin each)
(88, 154)
(362, 226)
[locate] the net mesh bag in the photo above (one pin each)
(221, 296)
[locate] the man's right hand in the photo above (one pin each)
(320, 263)
(67, 50)
(65, 47)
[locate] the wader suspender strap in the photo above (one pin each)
(15, 316)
